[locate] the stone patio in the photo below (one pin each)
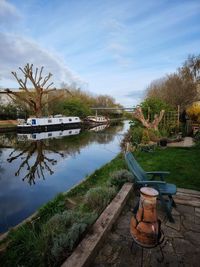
(181, 246)
(187, 142)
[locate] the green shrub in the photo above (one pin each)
(136, 135)
(118, 178)
(154, 135)
(98, 198)
(145, 137)
(49, 246)
(154, 105)
(62, 232)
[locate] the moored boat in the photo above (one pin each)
(96, 120)
(48, 123)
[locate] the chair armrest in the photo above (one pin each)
(151, 182)
(158, 173)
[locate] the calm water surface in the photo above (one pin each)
(34, 168)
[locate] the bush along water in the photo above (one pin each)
(119, 178)
(98, 198)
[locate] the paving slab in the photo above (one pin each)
(187, 142)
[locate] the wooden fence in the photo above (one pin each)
(170, 118)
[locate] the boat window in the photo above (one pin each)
(70, 119)
(49, 121)
(60, 120)
(70, 132)
(76, 118)
(34, 136)
(49, 134)
(33, 121)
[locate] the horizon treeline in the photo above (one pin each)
(68, 100)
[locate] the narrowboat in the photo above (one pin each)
(48, 123)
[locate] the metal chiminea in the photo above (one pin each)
(145, 227)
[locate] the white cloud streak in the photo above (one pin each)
(16, 51)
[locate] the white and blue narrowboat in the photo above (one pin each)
(48, 123)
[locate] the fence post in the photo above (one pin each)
(178, 115)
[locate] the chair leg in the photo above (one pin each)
(166, 208)
(172, 201)
(162, 255)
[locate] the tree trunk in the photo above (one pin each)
(138, 114)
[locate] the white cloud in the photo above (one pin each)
(16, 51)
(8, 13)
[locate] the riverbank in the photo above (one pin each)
(8, 126)
(31, 237)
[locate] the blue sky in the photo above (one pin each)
(105, 46)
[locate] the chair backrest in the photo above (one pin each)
(135, 168)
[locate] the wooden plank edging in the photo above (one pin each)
(188, 191)
(88, 248)
(187, 197)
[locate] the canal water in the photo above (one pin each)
(34, 168)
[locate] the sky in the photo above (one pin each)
(111, 47)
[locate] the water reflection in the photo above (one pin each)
(47, 135)
(99, 128)
(1, 168)
(52, 164)
(35, 169)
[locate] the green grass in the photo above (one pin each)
(99, 177)
(183, 164)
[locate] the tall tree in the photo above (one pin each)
(34, 88)
(193, 65)
(178, 88)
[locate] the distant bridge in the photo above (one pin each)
(107, 108)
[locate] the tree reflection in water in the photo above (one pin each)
(41, 164)
(34, 157)
(1, 168)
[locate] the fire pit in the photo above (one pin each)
(145, 227)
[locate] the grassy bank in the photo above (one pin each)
(62, 222)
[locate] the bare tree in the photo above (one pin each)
(36, 97)
(138, 114)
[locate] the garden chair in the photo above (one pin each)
(163, 188)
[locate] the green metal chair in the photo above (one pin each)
(142, 179)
